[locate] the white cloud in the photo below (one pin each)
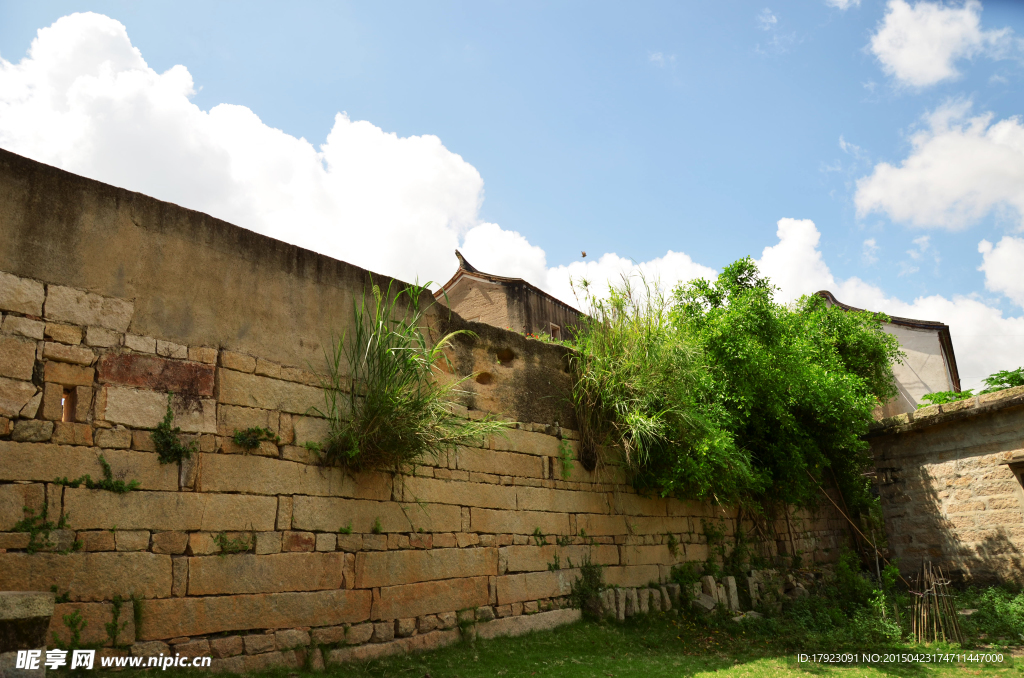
(660, 59)
(767, 20)
(843, 4)
(960, 169)
(984, 340)
(920, 44)
(1003, 265)
(869, 251)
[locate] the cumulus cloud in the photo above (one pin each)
(843, 4)
(960, 169)
(1002, 265)
(919, 44)
(869, 251)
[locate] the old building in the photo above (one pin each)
(508, 303)
(929, 366)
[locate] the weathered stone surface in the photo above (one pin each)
(68, 354)
(310, 429)
(140, 344)
(328, 514)
(31, 407)
(359, 633)
(268, 542)
(633, 575)
(298, 541)
(517, 626)
(291, 638)
(237, 361)
(101, 337)
(519, 522)
(245, 573)
(501, 463)
(179, 511)
(226, 647)
(14, 396)
(85, 308)
(250, 390)
(256, 643)
(171, 350)
(131, 540)
(231, 418)
(405, 627)
(32, 431)
(649, 555)
(516, 588)
(96, 616)
(53, 402)
(98, 540)
(17, 357)
(15, 498)
(202, 354)
(417, 489)
(326, 541)
(329, 635)
(527, 442)
(70, 433)
(538, 558)
(390, 568)
(89, 576)
(115, 438)
(21, 295)
(24, 327)
(156, 374)
(420, 643)
(67, 374)
(172, 543)
(146, 409)
(190, 616)
(430, 597)
(179, 576)
(544, 499)
(65, 334)
(260, 475)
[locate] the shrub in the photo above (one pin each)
(395, 411)
(169, 447)
(586, 590)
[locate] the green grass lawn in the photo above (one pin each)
(658, 645)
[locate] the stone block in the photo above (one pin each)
(231, 418)
(375, 542)
(632, 575)
(195, 616)
(432, 490)
(83, 405)
(193, 648)
(202, 354)
(558, 501)
(326, 541)
(261, 475)
(391, 568)
(140, 344)
(643, 598)
(15, 498)
(521, 625)
(526, 442)
(358, 634)
(96, 617)
(156, 374)
(150, 649)
(32, 431)
(519, 522)
(267, 543)
(173, 542)
(230, 646)
(131, 540)
(146, 409)
(538, 558)
(298, 541)
(169, 349)
(405, 627)
(98, 540)
(21, 295)
(649, 555)
(31, 407)
(398, 541)
(67, 374)
(284, 513)
(101, 337)
(85, 308)
(427, 623)
(69, 433)
(17, 357)
(255, 643)
(237, 361)
(23, 327)
(329, 514)
(250, 390)
(350, 542)
(383, 632)
(515, 588)
(330, 635)
(89, 576)
(431, 597)
(114, 438)
(501, 463)
(310, 429)
(485, 613)
(170, 511)
(14, 396)
(65, 334)
(75, 355)
(53, 402)
(179, 576)
(291, 638)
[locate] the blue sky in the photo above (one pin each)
(626, 128)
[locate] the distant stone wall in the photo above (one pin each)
(949, 477)
(111, 300)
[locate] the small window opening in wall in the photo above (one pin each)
(555, 331)
(67, 403)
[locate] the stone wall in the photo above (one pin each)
(949, 477)
(111, 301)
